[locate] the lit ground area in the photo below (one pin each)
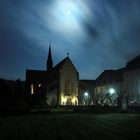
(71, 126)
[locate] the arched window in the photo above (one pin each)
(68, 87)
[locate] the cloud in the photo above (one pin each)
(98, 34)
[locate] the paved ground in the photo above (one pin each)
(71, 126)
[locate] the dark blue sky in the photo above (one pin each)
(98, 34)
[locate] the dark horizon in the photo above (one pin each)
(99, 35)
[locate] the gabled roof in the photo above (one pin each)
(61, 63)
(41, 76)
(36, 75)
(109, 76)
(133, 64)
(88, 82)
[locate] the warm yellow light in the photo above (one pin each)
(74, 100)
(32, 88)
(64, 100)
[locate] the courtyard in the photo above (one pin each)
(71, 126)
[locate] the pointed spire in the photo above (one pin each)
(49, 60)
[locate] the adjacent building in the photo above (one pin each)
(86, 92)
(131, 83)
(119, 87)
(108, 88)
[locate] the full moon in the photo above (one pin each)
(65, 16)
(68, 12)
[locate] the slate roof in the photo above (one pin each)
(40, 76)
(133, 64)
(110, 76)
(86, 84)
(36, 75)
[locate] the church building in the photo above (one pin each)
(57, 85)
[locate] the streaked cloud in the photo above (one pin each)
(98, 34)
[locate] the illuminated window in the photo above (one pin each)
(74, 101)
(64, 100)
(32, 88)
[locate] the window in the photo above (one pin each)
(68, 87)
(96, 90)
(32, 88)
(39, 85)
(101, 89)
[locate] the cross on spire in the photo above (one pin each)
(68, 54)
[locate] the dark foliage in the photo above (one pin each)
(11, 95)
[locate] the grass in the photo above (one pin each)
(71, 126)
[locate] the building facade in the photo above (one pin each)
(108, 89)
(57, 85)
(86, 92)
(120, 87)
(131, 83)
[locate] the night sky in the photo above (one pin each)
(98, 34)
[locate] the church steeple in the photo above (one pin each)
(49, 60)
